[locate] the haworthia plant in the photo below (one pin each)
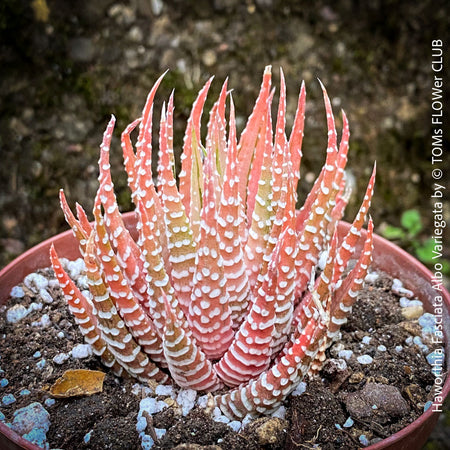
(222, 289)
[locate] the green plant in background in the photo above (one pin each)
(409, 237)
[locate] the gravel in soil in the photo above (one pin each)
(375, 381)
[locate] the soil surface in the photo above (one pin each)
(352, 402)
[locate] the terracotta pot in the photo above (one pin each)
(387, 257)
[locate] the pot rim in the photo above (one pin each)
(8, 279)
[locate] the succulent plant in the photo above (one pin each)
(228, 287)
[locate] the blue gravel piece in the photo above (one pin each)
(346, 354)
(87, 437)
(364, 359)
(50, 402)
(4, 382)
(8, 399)
(427, 320)
(33, 416)
(349, 423)
(41, 364)
(17, 292)
(141, 424)
(427, 405)
(37, 354)
(435, 358)
(428, 323)
(24, 392)
(36, 436)
(147, 442)
(16, 313)
(2, 417)
(363, 440)
(160, 432)
(32, 423)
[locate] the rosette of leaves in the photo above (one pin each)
(227, 287)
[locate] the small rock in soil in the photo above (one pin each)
(376, 401)
(268, 430)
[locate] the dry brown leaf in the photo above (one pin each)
(79, 382)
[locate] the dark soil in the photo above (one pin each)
(398, 383)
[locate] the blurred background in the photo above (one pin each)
(66, 66)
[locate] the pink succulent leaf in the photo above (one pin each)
(313, 230)
(147, 192)
(188, 365)
(78, 228)
(84, 314)
(345, 295)
(296, 137)
(342, 198)
(285, 289)
(118, 338)
(197, 186)
(83, 219)
(348, 246)
(285, 213)
(129, 308)
(209, 311)
(216, 135)
(129, 157)
(181, 245)
(280, 148)
(170, 111)
(103, 162)
(250, 351)
(266, 393)
(344, 298)
(144, 189)
(327, 228)
(166, 139)
(263, 147)
(250, 136)
(159, 287)
(316, 298)
(310, 238)
(332, 135)
(215, 145)
(229, 226)
(262, 215)
(192, 141)
(330, 161)
(341, 189)
(127, 251)
(144, 143)
(344, 145)
(321, 298)
(303, 216)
